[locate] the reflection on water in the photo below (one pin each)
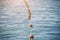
(45, 18)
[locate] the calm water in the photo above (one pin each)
(45, 18)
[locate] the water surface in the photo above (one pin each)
(45, 18)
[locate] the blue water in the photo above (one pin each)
(45, 19)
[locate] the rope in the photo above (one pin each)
(28, 18)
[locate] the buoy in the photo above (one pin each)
(30, 25)
(31, 37)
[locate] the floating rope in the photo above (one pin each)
(29, 17)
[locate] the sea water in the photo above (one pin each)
(45, 19)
